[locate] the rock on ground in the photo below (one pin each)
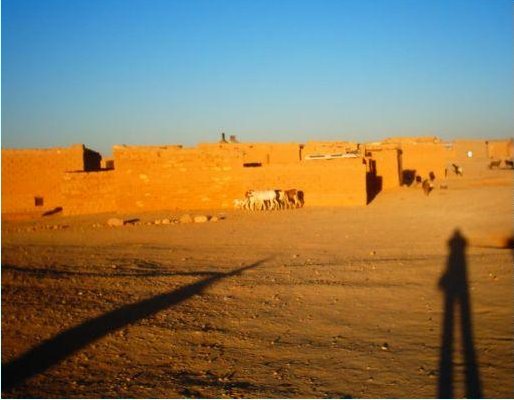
(115, 222)
(201, 218)
(186, 219)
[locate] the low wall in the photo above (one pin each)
(337, 182)
(170, 178)
(387, 166)
(263, 153)
(500, 149)
(28, 174)
(478, 149)
(424, 158)
(89, 192)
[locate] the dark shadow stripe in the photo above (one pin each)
(54, 350)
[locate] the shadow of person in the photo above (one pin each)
(66, 343)
(454, 284)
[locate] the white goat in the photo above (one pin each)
(241, 204)
(262, 199)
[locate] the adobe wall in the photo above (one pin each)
(263, 153)
(89, 192)
(337, 182)
(386, 165)
(500, 149)
(30, 173)
(152, 178)
(423, 155)
(461, 148)
(212, 176)
(425, 158)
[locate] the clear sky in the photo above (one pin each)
(111, 72)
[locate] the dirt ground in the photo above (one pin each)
(331, 302)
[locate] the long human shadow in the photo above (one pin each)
(54, 350)
(454, 284)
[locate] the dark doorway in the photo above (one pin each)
(408, 177)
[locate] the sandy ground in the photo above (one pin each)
(339, 302)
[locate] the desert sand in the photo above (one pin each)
(313, 302)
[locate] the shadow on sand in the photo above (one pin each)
(54, 350)
(373, 182)
(454, 284)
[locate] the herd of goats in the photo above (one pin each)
(277, 199)
(497, 164)
(428, 184)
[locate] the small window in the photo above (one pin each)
(38, 201)
(252, 164)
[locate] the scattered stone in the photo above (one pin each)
(275, 341)
(166, 221)
(186, 219)
(201, 218)
(385, 346)
(207, 327)
(157, 222)
(115, 222)
(372, 252)
(214, 219)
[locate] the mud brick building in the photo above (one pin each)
(463, 150)
(397, 161)
(384, 162)
(421, 156)
(500, 149)
(32, 178)
(212, 175)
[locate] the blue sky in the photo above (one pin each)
(163, 72)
